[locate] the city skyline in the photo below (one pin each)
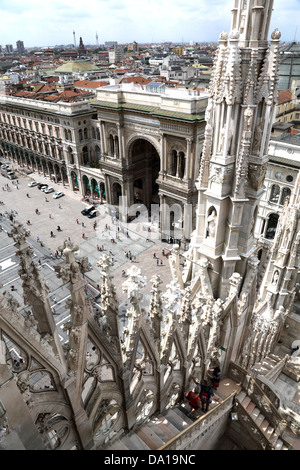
(126, 21)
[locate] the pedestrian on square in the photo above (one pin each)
(83, 235)
(51, 234)
(49, 216)
(46, 200)
(157, 261)
(59, 206)
(77, 221)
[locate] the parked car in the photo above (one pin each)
(92, 214)
(87, 210)
(57, 195)
(42, 185)
(48, 190)
(33, 183)
(4, 167)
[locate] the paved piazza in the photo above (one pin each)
(64, 212)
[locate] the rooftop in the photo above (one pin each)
(157, 100)
(77, 66)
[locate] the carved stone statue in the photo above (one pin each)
(211, 224)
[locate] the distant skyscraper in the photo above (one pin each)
(74, 38)
(9, 48)
(97, 41)
(20, 47)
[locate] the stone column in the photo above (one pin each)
(187, 170)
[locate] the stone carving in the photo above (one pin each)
(134, 284)
(256, 175)
(258, 136)
(211, 223)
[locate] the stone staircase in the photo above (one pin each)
(261, 422)
(270, 367)
(158, 430)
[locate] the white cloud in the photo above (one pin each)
(53, 22)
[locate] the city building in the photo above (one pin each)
(289, 68)
(9, 49)
(20, 47)
(97, 146)
(114, 386)
(116, 55)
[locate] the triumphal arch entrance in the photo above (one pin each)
(151, 145)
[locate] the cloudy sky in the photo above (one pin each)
(52, 22)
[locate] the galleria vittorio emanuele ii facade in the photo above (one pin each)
(122, 386)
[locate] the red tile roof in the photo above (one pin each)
(47, 88)
(90, 84)
(137, 80)
(24, 94)
(284, 96)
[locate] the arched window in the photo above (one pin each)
(98, 153)
(112, 145)
(85, 155)
(275, 193)
(70, 156)
(272, 225)
(286, 192)
(181, 165)
(117, 146)
(174, 163)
